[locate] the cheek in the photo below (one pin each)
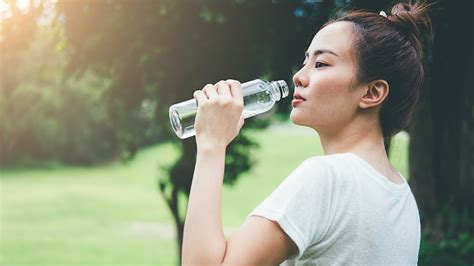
(331, 90)
(329, 99)
(331, 94)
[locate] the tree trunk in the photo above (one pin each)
(420, 155)
(173, 204)
(442, 136)
(178, 222)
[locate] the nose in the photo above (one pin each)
(300, 79)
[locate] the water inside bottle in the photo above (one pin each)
(255, 104)
(183, 123)
(259, 97)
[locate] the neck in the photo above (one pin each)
(361, 136)
(365, 139)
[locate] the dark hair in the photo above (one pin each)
(390, 48)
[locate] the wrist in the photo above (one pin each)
(211, 148)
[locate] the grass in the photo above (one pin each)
(114, 215)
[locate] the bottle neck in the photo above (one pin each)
(279, 89)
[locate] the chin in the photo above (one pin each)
(298, 119)
(295, 119)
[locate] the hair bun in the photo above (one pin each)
(413, 19)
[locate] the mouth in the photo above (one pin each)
(298, 97)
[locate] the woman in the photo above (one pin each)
(358, 84)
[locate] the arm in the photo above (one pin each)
(203, 239)
(259, 241)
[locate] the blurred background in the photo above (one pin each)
(92, 174)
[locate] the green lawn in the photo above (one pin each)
(114, 215)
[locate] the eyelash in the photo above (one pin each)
(302, 65)
(320, 63)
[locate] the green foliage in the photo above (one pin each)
(127, 62)
(159, 52)
(450, 243)
(49, 118)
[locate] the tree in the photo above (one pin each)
(17, 31)
(159, 52)
(44, 116)
(442, 138)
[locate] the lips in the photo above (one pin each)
(295, 102)
(297, 99)
(297, 96)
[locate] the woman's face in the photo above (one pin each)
(326, 81)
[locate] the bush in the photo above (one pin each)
(45, 117)
(449, 241)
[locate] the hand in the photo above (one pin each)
(219, 116)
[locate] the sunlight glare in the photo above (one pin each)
(23, 4)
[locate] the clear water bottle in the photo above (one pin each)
(259, 97)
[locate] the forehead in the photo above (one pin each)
(336, 37)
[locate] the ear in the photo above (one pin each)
(374, 94)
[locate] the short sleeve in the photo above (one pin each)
(301, 204)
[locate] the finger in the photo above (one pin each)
(210, 91)
(205, 88)
(200, 97)
(223, 89)
(236, 90)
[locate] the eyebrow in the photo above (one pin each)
(318, 52)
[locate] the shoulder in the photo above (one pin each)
(305, 203)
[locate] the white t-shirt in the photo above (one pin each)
(338, 209)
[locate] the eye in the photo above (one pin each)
(320, 64)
